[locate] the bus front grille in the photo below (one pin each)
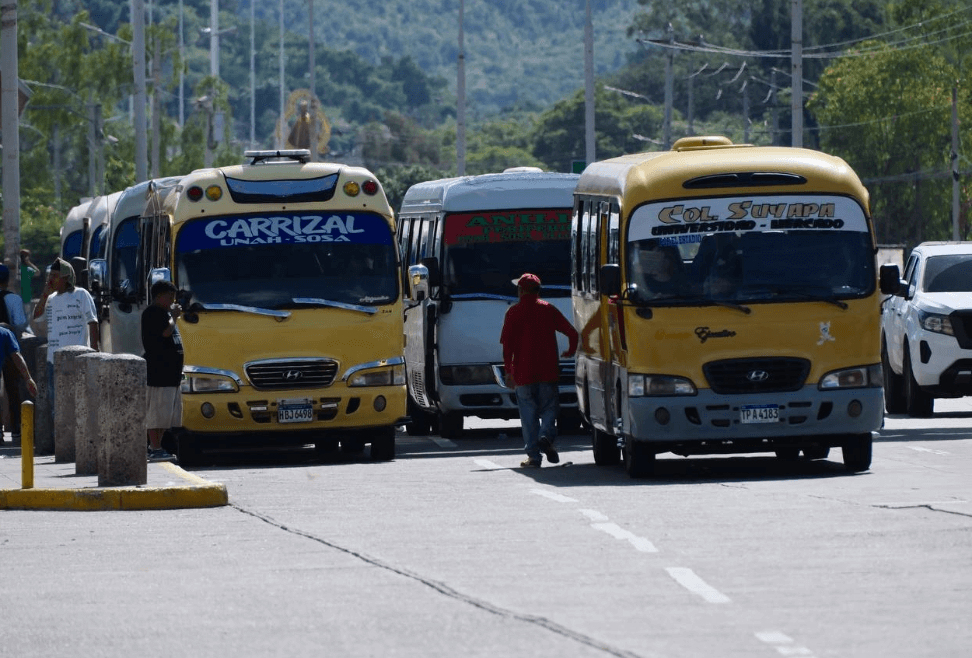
(759, 375)
(303, 373)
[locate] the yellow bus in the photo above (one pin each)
(287, 273)
(727, 301)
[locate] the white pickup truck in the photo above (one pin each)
(926, 329)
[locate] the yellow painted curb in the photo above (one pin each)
(201, 493)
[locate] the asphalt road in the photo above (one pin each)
(450, 550)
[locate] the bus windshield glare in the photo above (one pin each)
(486, 251)
(750, 258)
(268, 261)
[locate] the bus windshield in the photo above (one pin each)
(753, 257)
(269, 261)
(485, 251)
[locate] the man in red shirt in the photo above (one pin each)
(529, 341)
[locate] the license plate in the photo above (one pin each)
(295, 413)
(759, 413)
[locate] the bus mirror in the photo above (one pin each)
(432, 264)
(610, 280)
(159, 274)
(418, 282)
(890, 279)
(97, 274)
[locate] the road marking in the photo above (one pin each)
(687, 579)
(553, 496)
(783, 644)
(934, 452)
(489, 466)
(618, 532)
(444, 443)
(593, 515)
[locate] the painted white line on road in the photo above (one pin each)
(593, 515)
(783, 644)
(934, 452)
(553, 496)
(488, 465)
(687, 579)
(444, 443)
(918, 503)
(618, 532)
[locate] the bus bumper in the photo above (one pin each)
(709, 423)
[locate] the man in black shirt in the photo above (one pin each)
(163, 360)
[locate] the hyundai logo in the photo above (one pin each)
(293, 375)
(757, 376)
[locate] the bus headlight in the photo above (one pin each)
(859, 377)
(208, 384)
(659, 385)
(466, 375)
(385, 376)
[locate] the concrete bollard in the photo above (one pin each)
(118, 395)
(85, 416)
(65, 408)
(43, 422)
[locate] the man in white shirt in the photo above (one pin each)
(70, 313)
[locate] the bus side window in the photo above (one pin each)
(575, 242)
(593, 247)
(614, 234)
(585, 240)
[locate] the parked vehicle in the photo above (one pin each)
(926, 329)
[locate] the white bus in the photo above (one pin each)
(119, 282)
(472, 237)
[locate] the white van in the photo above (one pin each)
(474, 235)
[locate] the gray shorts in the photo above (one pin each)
(164, 409)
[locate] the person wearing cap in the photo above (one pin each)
(70, 315)
(532, 365)
(12, 317)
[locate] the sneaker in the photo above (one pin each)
(548, 450)
(529, 462)
(160, 455)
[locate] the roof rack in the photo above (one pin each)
(298, 155)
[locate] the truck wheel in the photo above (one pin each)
(606, 450)
(420, 423)
(383, 445)
(817, 452)
(894, 395)
(639, 459)
(857, 452)
(450, 425)
(918, 403)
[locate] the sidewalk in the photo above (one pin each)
(57, 487)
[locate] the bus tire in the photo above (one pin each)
(383, 445)
(918, 403)
(894, 398)
(569, 422)
(857, 452)
(420, 423)
(787, 454)
(450, 425)
(817, 452)
(353, 444)
(606, 450)
(639, 458)
(189, 451)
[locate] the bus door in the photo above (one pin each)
(415, 244)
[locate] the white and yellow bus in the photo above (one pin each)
(288, 275)
(727, 301)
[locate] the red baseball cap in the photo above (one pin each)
(527, 280)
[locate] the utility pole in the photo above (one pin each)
(956, 196)
(745, 93)
(214, 38)
(156, 106)
(312, 128)
(92, 146)
(182, 74)
(589, 134)
(281, 138)
(461, 101)
(138, 65)
(252, 77)
(10, 123)
(796, 63)
(669, 65)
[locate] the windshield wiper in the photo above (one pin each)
(711, 301)
(809, 296)
(239, 308)
(316, 301)
(483, 295)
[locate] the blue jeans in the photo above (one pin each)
(539, 405)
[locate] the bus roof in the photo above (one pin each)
(715, 171)
(508, 190)
(132, 201)
(265, 170)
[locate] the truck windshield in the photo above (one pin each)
(265, 261)
(755, 260)
(486, 251)
(948, 274)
